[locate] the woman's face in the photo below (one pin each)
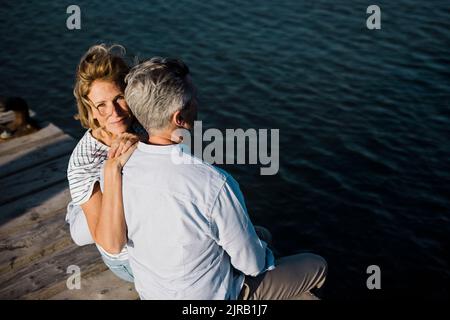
(111, 110)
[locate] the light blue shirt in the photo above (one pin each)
(190, 236)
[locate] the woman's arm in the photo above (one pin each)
(104, 211)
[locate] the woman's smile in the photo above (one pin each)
(116, 122)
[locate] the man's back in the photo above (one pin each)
(181, 219)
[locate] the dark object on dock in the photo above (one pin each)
(15, 120)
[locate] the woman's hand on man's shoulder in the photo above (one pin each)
(121, 149)
(121, 144)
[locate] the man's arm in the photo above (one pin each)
(236, 234)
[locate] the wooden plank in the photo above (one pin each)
(49, 132)
(40, 272)
(47, 279)
(35, 230)
(32, 209)
(38, 250)
(26, 182)
(49, 274)
(7, 157)
(103, 286)
(46, 151)
(30, 245)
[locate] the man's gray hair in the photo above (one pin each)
(156, 89)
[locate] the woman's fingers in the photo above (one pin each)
(122, 144)
(125, 156)
(120, 148)
(132, 138)
(113, 150)
(126, 146)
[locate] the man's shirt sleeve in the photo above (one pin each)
(235, 233)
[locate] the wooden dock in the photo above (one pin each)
(35, 246)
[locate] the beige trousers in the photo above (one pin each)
(292, 279)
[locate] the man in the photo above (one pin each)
(190, 236)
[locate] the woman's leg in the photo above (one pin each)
(120, 268)
(79, 230)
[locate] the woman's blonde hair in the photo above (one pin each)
(100, 62)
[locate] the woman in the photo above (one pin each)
(96, 212)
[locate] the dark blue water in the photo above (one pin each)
(364, 115)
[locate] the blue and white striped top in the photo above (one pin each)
(85, 166)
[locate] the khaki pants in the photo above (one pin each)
(292, 279)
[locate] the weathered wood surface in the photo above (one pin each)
(35, 245)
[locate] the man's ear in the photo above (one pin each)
(178, 119)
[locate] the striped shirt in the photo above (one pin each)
(85, 166)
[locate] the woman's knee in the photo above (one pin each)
(80, 236)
